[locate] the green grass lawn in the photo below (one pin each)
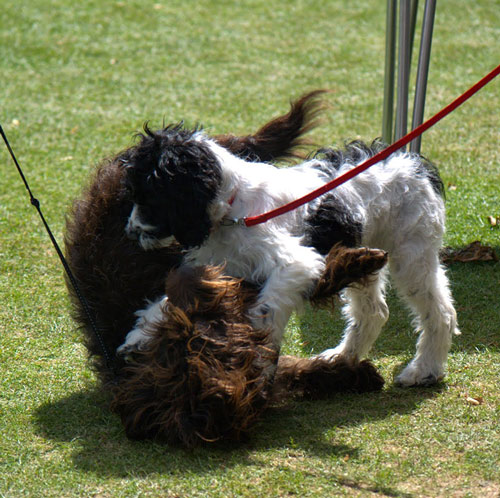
(78, 80)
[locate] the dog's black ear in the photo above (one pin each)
(190, 177)
(188, 218)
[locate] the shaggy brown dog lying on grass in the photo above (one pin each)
(207, 374)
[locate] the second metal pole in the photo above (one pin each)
(403, 70)
(423, 70)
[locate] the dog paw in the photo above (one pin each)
(372, 260)
(136, 340)
(331, 354)
(413, 376)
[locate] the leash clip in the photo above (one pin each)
(231, 222)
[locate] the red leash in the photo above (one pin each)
(383, 154)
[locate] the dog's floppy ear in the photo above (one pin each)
(190, 177)
(190, 222)
(175, 175)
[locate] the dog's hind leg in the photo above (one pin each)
(366, 312)
(425, 287)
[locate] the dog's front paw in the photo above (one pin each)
(331, 354)
(414, 375)
(371, 260)
(136, 340)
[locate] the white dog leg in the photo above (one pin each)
(138, 338)
(285, 291)
(366, 312)
(425, 287)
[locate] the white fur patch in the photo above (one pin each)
(147, 319)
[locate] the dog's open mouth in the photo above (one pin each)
(148, 239)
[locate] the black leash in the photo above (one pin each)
(36, 203)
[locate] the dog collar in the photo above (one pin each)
(229, 222)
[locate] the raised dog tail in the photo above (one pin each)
(282, 137)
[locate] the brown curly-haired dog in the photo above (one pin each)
(207, 374)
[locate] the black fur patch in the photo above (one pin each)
(430, 170)
(172, 178)
(353, 153)
(331, 223)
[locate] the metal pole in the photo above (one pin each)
(413, 24)
(390, 56)
(403, 70)
(423, 70)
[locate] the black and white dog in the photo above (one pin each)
(188, 188)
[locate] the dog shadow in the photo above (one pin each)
(101, 446)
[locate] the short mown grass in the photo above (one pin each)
(78, 80)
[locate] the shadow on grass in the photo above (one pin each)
(100, 446)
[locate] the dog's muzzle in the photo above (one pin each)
(132, 231)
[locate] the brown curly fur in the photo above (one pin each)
(346, 266)
(315, 378)
(113, 273)
(207, 374)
